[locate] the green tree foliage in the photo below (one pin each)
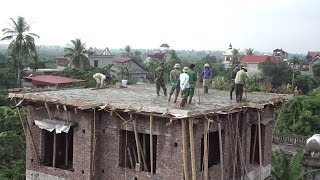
(305, 84)
(279, 72)
(284, 168)
(209, 59)
(316, 71)
(77, 53)
(37, 62)
(12, 145)
(7, 78)
(301, 115)
(249, 51)
(22, 44)
(86, 74)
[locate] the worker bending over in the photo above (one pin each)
(100, 79)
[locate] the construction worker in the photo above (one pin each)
(175, 82)
(184, 86)
(192, 81)
(240, 82)
(100, 79)
(159, 79)
(206, 75)
(232, 83)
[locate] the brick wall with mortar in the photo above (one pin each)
(169, 163)
(81, 142)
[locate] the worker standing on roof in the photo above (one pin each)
(159, 79)
(206, 75)
(100, 79)
(175, 82)
(192, 81)
(232, 83)
(240, 82)
(184, 86)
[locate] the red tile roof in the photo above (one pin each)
(165, 45)
(121, 60)
(257, 59)
(313, 53)
(51, 80)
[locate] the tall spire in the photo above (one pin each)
(230, 46)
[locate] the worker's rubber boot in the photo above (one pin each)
(158, 93)
(182, 103)
(190, 100)
(206, 91)
(165, 92)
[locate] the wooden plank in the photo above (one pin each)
(193, 159)
(184, 149)
(151, 144)
(205, 150)
(221, 152)
(260, 151)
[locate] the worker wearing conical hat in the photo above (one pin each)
(241, 82)
(184, 86)
(206, 75)
(175, 82)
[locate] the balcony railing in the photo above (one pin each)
(287, 139)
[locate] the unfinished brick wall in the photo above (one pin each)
(81, 142)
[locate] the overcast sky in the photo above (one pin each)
(263, 25)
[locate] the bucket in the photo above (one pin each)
(124, 83)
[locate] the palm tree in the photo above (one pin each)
(286, 169)
(127, 52)
(235, 58)
(22, 44)
(249, 51)
(77, 54)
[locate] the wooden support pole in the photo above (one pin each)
(254, 144)
(144, 143)
(48, 110)
(184, 149)
(205, 150)
(134, 156)
(260, 152)
(130, 158)
(151, 144)
(235, 161)
(193, 159)
(221, 152)
(136, 137)
(67, 149)
(145, 165)
(54, 150)
(25, 123)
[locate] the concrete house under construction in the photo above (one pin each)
(130, 133)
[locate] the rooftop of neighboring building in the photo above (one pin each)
(51, 80)
(313, 53)
(257, 58)
(142, 98)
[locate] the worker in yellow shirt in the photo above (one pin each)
(241, 82)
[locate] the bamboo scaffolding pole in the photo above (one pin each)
(260, 153)
(221, 152)
(254, 144)
(130, 157)
(145, 165)
(136, 137)
(134, 156)
(235, 162)
(54, 150)
(205, 150)
(184, 149)
(151, 144)
(193, 159)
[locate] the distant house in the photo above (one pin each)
(138, 72)
(228, 56)
(312, 58)
(253, 61)
(280, 54)
(49, 81)
(62, 61)
(162, 53)
(102, 59)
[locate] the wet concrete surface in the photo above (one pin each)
(145, 95)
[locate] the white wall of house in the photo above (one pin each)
(253, 69)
